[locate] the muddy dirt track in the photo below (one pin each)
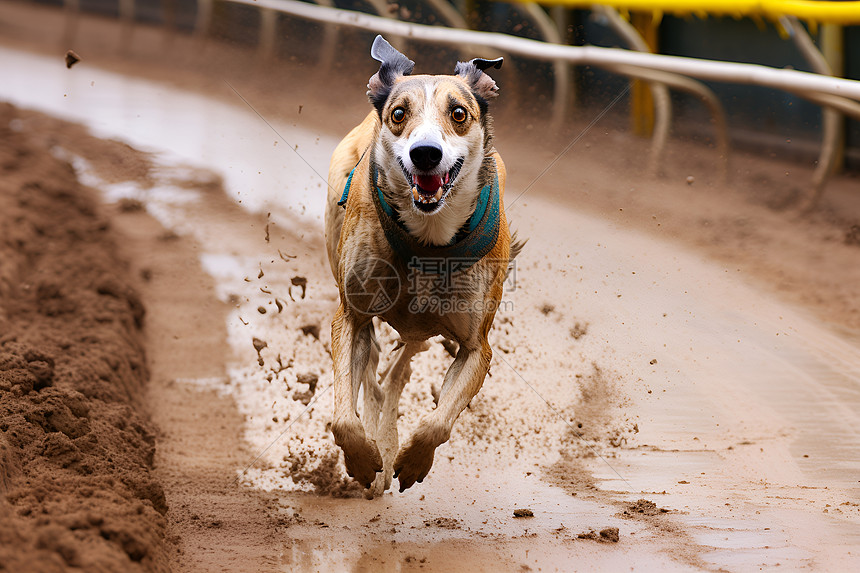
(674, 384)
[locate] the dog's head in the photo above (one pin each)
(434, 134)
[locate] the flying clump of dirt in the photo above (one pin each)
(322, 470)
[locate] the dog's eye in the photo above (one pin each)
(398, 115)
(458, 114)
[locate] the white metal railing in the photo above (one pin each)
(827, 91)
(836, 94)
(793, 81)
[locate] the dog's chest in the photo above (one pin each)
(439, 303)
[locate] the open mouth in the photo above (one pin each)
(429, 191)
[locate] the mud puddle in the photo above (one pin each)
(260, 169)
(747, 409)
(624, 369)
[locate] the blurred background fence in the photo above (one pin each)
(821, 37)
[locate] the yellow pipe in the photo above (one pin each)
(641, 101)
(832, 41)
(818, 11)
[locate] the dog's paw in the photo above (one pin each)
(361, 456)
(380, 484)
(414, 461)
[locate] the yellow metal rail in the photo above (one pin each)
(846, 13)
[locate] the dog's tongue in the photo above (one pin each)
(429, 183)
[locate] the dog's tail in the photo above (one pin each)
(516, 248)
(516, 245)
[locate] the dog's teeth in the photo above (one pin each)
(421, 198)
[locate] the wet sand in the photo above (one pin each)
(628, 367)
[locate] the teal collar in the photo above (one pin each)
(470, 244)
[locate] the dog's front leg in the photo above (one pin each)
(351, 354)
(462, 381)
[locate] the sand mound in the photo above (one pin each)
(75, 449)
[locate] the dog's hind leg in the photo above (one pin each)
(373, 396)
(394, 380)
(352, 346)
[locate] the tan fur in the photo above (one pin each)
(355, 243)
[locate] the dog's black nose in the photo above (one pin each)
(425, 156)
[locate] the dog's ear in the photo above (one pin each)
(393, 64)
(482, 85)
